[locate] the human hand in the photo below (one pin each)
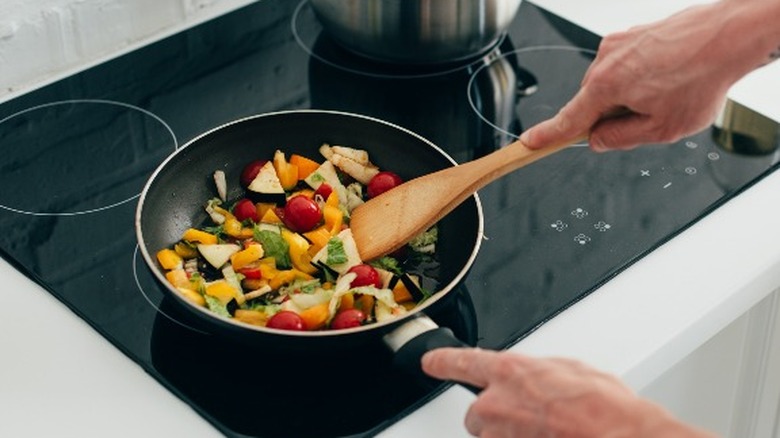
(528, 397)
(666, 80)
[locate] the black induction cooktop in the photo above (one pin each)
(75, 155)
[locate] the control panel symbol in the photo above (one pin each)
(602, 226)
(582, 239)
(579, 213)
(559, 225)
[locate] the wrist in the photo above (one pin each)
(656, 421)
(752, 31)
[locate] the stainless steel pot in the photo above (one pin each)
(416, 31)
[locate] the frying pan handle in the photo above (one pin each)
(408, 356)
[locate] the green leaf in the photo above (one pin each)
(274, 246)
(336, 253)
(388, 264)
(216, 306)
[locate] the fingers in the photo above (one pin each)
(620, 133)
(458, 364)
(572, 122)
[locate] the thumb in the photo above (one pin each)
(574, 120)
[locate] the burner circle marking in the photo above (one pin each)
(78, 101)
(474, 75)
(149, 300)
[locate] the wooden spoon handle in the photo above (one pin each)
(386, 223)
(497, 164)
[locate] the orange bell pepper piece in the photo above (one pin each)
(315, 317)
(270, 217)
(305, 165)
(347, 301)
(401, 293)
(169, 259)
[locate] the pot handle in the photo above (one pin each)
(414, 338)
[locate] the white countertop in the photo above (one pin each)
(59, 377)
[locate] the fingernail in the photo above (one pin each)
(597, 145)
(525, 138)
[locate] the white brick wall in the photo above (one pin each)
(42, 40)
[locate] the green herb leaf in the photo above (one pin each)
(336, 253)
(216, 306)
(388, 264)
(274, 246)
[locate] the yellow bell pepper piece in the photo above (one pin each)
(333, 199)
(193, 235)
(192, 296)
(282, 278)
(318, 237)
(287, 277)
(224, 292)
(169, 259)
(286, 172)
(254, 317)
(232, 226)
(178, 278)
(299, 251)
(333, 217)
(185, 251)
(251, 254)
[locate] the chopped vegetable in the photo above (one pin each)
(283, 256)
(221, 183)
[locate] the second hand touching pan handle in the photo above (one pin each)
(413, 339)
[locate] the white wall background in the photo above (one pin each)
(43, 40)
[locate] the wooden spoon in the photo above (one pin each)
(385, 223)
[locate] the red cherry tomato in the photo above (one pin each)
(324, 190)
(366, 276)
(253, 273)
(286, 320)
(348, 318)
(245, 209)
(382, 182)
(250, 172)
(301, 214)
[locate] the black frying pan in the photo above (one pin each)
(174, 196)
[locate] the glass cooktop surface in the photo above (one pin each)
(76, 154)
